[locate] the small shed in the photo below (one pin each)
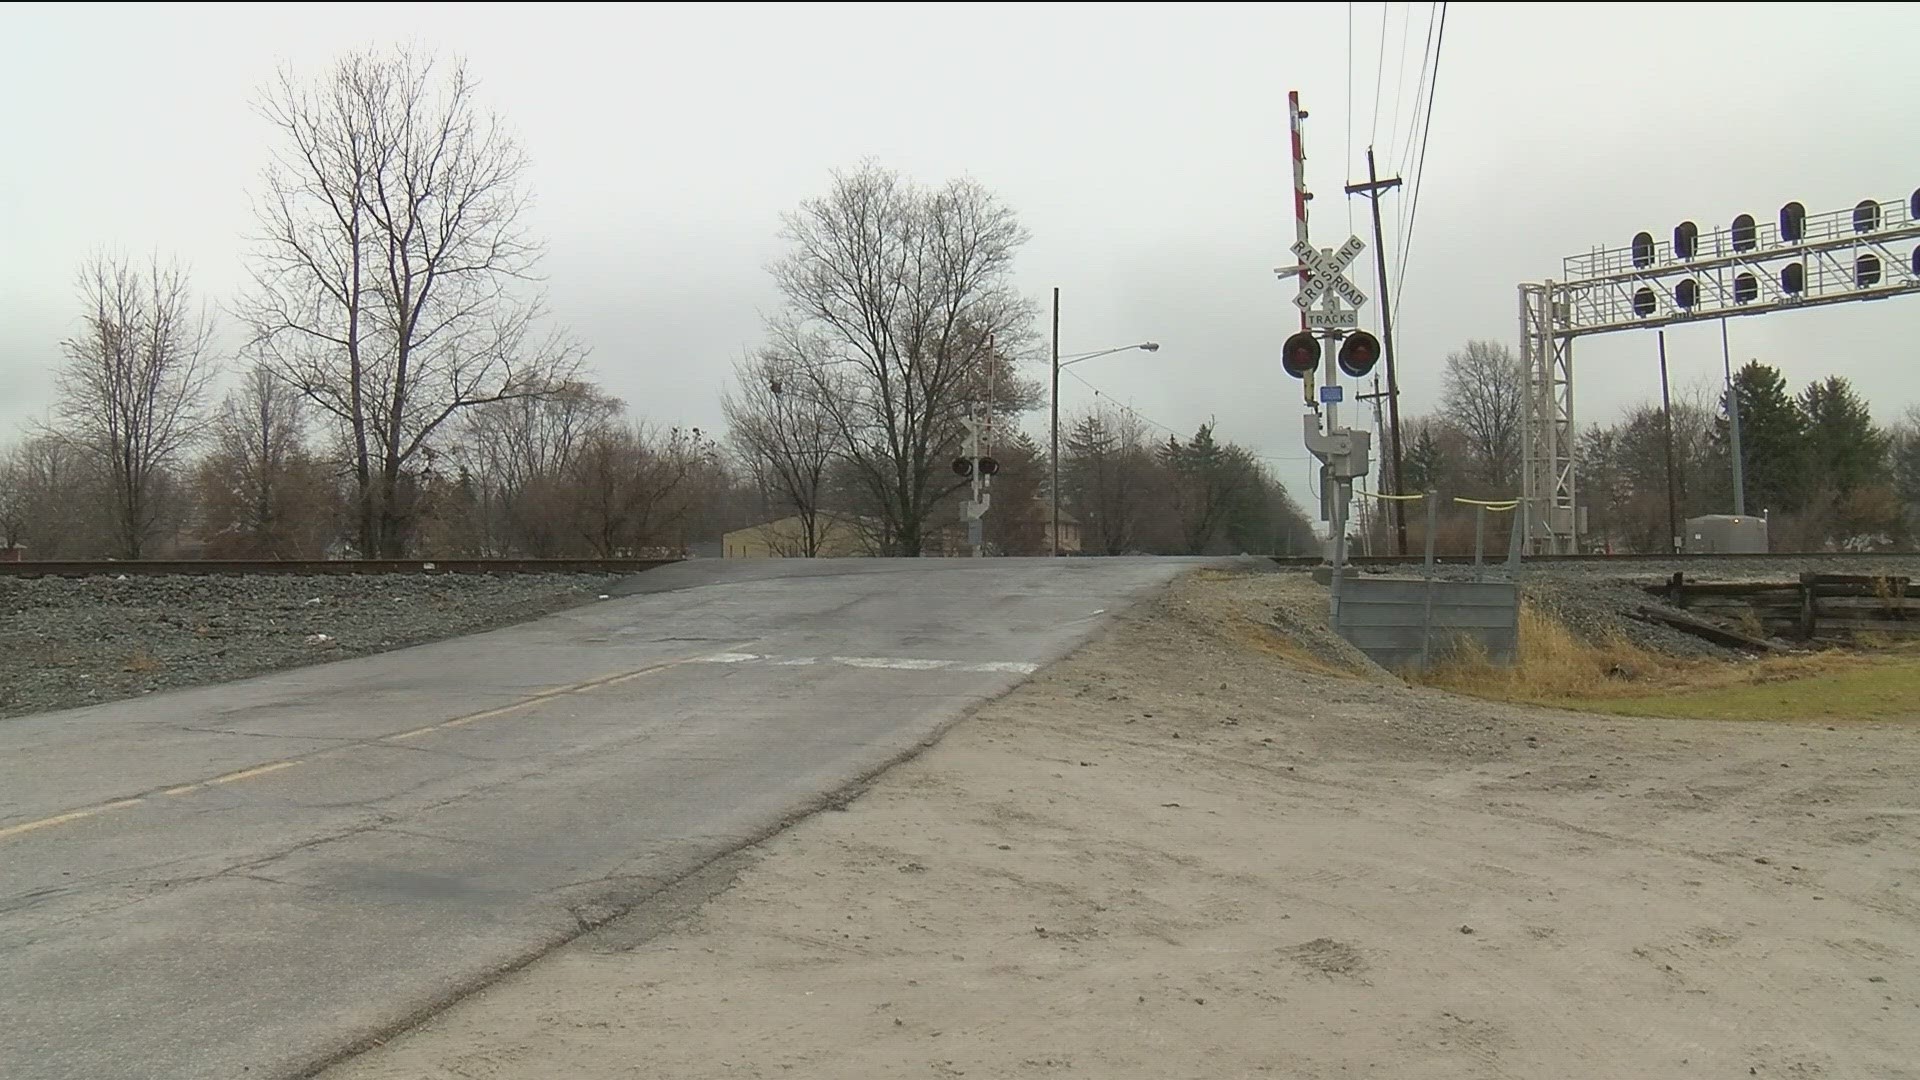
(1726, 534)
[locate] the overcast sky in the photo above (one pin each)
(1145, 146)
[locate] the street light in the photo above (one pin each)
(1058, 363)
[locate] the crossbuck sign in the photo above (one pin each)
(1326, 280)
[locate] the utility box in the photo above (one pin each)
(1413, 624)
(1726, 534)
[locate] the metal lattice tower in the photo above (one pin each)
(1750, 267)
(1549, 517)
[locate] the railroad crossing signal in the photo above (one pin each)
(1300, 356)
(1326, 272)
(1358, 354)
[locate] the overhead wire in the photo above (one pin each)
(1404, 155)
(1399, 77)
(1128, 409)
(1401, 148)
(1347, 164)
(1420, 169)
(1169, 429)
(1379, 69)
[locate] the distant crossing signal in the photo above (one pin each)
(964, 466)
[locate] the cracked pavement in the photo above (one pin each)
(257, 879)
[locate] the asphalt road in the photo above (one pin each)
(252, 879)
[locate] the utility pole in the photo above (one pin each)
(1389, 484)
(1373, 189)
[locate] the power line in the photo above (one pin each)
(1379, 69)
(1348, 163)
(1405, 153)
(1402, 152)
(1400, 78)
(1129, 410)
(1420, 170)
(1175, 432)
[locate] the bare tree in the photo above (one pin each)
(13, 498)
(57, 506)
(516, 450)
(262, 493)
(1483, 393)
(1905, 457)
(389, 264)
(133, 387)
(899, 301)
(630, 489)
(785, 436)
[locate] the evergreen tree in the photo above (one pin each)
(1019, 523)
(1105, 481)
(1268, 521)
(1845, 451)
(1773, 437)
(1421, 463)
(1212, 484)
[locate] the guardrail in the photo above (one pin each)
(233, 567)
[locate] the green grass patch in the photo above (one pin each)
(1881, 691)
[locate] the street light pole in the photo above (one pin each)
(1054, 426)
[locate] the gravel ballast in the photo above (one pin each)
(66, 642)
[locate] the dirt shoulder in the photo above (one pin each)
(1181, 853)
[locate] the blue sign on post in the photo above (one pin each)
(1330, 394)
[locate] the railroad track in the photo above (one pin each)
(232, 567)
(1610, 560)
(229, 567)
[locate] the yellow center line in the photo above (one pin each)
(57, 819)
(258, 770)
(62, 819)
(558, 691)
(276, 766)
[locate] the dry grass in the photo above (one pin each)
(1557, 668)
(1554, 664)
(143, 662)
(1267, 641)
